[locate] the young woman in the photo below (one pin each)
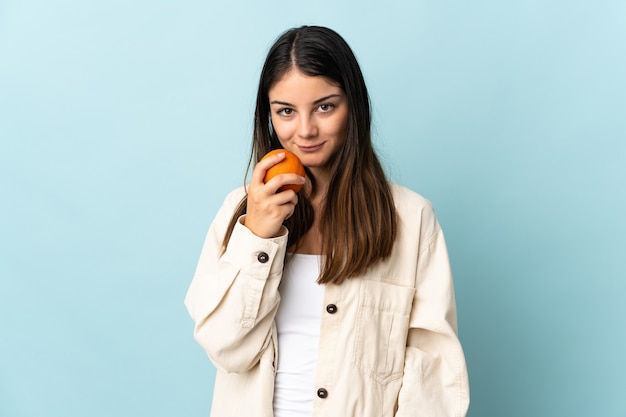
(337, 300)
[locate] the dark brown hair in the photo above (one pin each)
(358, 222)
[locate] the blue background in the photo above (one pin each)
(124, 124)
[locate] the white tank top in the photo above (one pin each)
(298, 324)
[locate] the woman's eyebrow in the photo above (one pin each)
(319, 100)
(282, 103)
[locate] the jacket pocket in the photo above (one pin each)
(382, 326)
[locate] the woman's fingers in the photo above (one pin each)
(277, 182)
(258, 174)
(281, 182)
(268, 204)
(265, 213)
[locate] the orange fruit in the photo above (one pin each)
(291, 164)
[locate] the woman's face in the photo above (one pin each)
(310, 118)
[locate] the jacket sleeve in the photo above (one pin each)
(233, 296)
(435, 381)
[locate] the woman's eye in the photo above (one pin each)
(326, 107)
(285, 112)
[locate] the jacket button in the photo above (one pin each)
(331, 308)
(322, 393)
(263, 257)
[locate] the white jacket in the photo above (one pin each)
(388, 345)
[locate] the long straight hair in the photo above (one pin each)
(358, 219)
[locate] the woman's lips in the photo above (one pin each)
(310, 148)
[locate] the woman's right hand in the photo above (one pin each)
(267, 208)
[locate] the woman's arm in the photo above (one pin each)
(435, 381)
(233, 297)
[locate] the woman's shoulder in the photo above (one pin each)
(405, 198)
(229, 205)
(234, 197)
(413, 209)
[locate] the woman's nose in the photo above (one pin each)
(307, 128)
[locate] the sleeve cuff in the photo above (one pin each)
(257, 256)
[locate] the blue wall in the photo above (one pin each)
(123, 125)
